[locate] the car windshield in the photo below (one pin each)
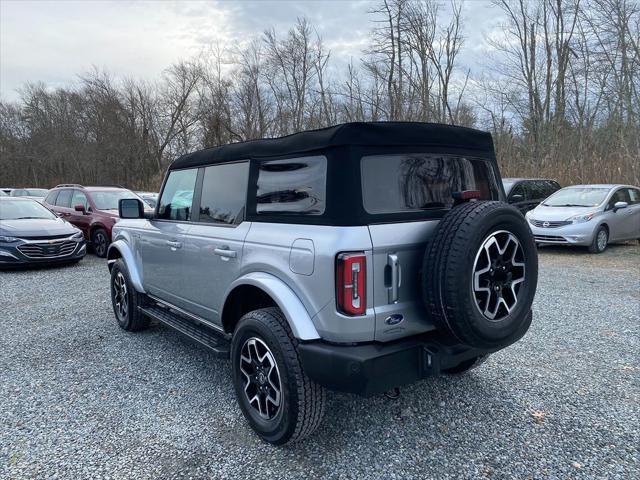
(23, 209)
(577, 197)
(108, 200)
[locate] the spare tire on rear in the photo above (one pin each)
(480, 274)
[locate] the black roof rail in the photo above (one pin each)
(68, 185)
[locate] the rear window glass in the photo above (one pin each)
(292, 186)
(421, 181)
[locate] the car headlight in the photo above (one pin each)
(78, 235)
(581, 218)
(8, 239)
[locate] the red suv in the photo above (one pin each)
(94, 210)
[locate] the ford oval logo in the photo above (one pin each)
(394, 319)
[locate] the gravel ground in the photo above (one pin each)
(80, 398)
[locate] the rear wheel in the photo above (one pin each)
(600, 240)
(275, 395)
(100, 242)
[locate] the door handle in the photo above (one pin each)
(174, 245)
(396, 278)
(225, 252)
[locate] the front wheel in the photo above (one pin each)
(275, 395)
(100, 242)
(125, 300)
(600, 240)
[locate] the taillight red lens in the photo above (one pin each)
(351, 288)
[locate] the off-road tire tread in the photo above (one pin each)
(137, 320)
(311, 396)
(443, 254)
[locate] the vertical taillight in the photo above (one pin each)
(351, 274)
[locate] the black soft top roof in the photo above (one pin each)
(356, 133)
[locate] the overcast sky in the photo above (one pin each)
(54, 41)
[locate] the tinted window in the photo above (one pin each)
(51, 198)
(295, 185)
(634, 196)
(517, 190)
(537, 190)
(413, 182)
(79, 198)
(550, 187)
(620, 195)
(64, 198)
(177, 196)
(224, 193)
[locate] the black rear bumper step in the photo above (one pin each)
(199, 333)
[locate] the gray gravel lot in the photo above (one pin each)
(79, 398)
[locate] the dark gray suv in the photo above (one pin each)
(358, 258)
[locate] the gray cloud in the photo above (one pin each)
(53, 42)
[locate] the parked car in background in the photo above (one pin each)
(6, 190)
(32, 234)
(3, 194)
(526, 193)
(588, 215)
(94, 210)
(150, 198)
(33, 193)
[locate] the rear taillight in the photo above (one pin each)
(351, 274)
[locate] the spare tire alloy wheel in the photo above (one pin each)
(262, 385)
(480, 274)
(498, 273)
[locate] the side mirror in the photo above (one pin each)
(130, 208)
(516, 198)
(79, 208)
(618, 205)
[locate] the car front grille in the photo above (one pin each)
(549, 239)
(48, 250)
(549, 224)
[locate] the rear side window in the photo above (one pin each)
(64, 198)
(420, 181)
(634, 196)
(224, 193)
(177, 196)
(292, 186)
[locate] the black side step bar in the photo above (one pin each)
(205, 336)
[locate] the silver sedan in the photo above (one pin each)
(588, 215)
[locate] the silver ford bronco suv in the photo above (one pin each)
(358, 258)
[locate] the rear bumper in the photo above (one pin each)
(368, 369)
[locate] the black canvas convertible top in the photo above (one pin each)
(346, 134)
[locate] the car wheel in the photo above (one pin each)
(125, 300)
(480, 274)
(467, 365)
(275, 395)
(100, 242)
(600, 240)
